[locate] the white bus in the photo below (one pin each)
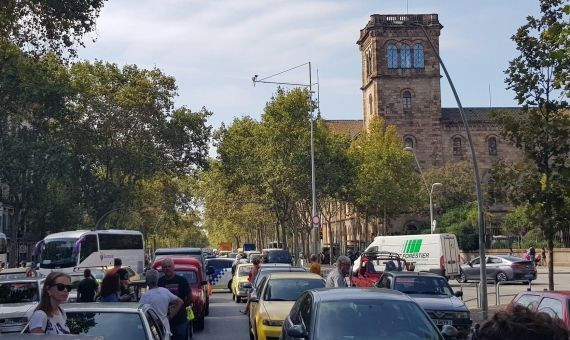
(68, 250)
(3, 249)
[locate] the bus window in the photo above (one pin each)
(88, 246)
(115, 241)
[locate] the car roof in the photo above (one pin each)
(177, 250)
(245, 265)
(125, 307)
(351, 294)
(413, 274)
(14, 270)
(282, 269)
(264, 265)
(221, 259)
(26, 279)
(293, 275)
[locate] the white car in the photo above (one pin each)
(18, 299)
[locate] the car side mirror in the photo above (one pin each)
(449, 332)
(458, 294)
(297, 331)
(210, 270)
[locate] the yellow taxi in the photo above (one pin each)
(239, 280)
(278, 294)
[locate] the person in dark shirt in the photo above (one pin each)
(178, 286)
(87, 288)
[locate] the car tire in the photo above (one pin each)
(462, 278)
(502, 277)
(199, 323)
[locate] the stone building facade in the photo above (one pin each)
(401, 82)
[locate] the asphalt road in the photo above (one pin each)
(225, 321)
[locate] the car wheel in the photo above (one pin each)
(190, 331)
(502, 277)
(199, 323)
(462, 278)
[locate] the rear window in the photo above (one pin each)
(422, 285)
(278, 256)
(219, 263)
(16, 292)
(109, 325)
(244, 270)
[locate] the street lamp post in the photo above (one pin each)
(481, 221)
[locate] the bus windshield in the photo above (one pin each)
(58, 254)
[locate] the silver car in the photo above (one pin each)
(18, 299)
(499, 268)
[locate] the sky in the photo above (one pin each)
(214, 47)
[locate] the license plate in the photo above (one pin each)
(443, 322)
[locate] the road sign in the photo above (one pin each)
(316, 220)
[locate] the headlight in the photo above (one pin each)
(274, 323)
(462, 315)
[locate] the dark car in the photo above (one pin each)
(277, 256)
(499, 268)
(554, 303)
(433, 293)
(359, 313)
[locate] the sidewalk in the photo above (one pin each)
(557, 270)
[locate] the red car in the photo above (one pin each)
(554, 303)
(191, 270)
(373, 264)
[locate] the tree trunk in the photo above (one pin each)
(550, 261)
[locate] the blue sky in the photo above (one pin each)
(214, 47)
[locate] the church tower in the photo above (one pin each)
(401, 80)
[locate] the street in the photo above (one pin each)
(225, 321)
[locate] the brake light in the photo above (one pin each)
(516, 265)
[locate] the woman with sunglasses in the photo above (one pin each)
(49, 318)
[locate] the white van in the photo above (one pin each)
(434, 253)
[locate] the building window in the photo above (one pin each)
(405, 56)
(409, 142)
(418, 56)
(492, 142)
(370, 103)
(392, 56)
(457, 151)
(368, 63)
(407, 97)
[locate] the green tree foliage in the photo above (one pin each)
(385, 177)
(39, 26)
(457, 188)
(462, 220)
(539, 77)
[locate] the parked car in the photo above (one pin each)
(277, 296)
(360, 313)
(373, 264)
(115, 320)
(221, 274)
(18, 299)
(239, 280)
(190, 269)
(434, 295)
(554, 303)
(499, 268)
(274, 255)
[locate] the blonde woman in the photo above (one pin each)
(49, 318)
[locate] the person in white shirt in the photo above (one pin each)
(336, 277)
(161, 299)
(48, 317)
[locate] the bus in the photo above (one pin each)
(69, 251)
(3, 249)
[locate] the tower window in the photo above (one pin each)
(392, 56)
(370, 103)
(457, 151)
(407, 97)
(492, 143)
(368, 62)
(405, 56)
(418, 56)
(409, 142)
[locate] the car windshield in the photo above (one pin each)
(373, 319)
(289, 289)
(422, 285)
(109, 325)
(16, 292)
(189, 275)
(244, 270)
(58, 254)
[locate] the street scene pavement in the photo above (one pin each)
(225, 321)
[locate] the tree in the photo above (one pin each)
(539, 77)
(457, 188)
(386, 182)
(38, 26)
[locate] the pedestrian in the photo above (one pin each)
(111, 284)
(87, 288)
(178, 286)
(251, 278)
(336, 277)
(543, 258)
(532, 254)
(48, 317)
(166, 304)
(521, 324)
(315, 265)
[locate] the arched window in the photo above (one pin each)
(457, 151)
(407, 98)
(409, 142)
(371, 106)
(368, 63)
(405, 56)
(492, 143)
(392, 56)
(418, 56)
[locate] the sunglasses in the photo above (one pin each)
(61, 287)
